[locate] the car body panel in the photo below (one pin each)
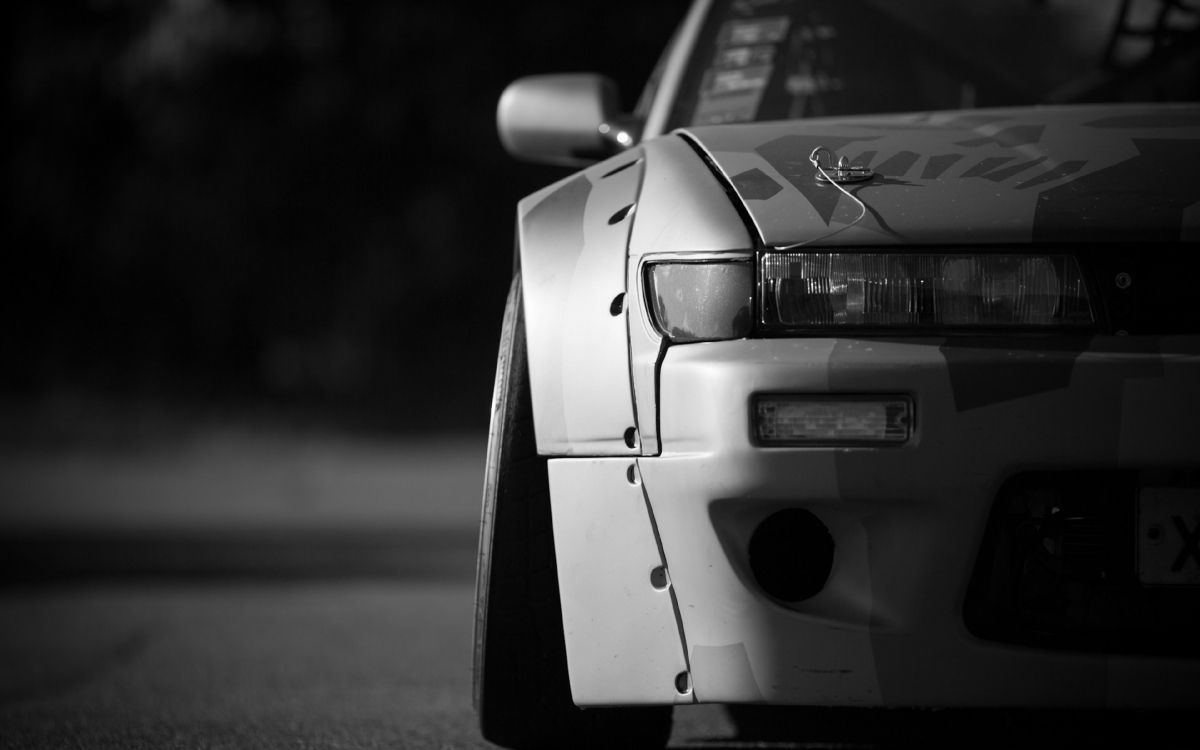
(683, 207)
(887, 629)
(572, 238)
(683, 211)
(1053, 174)
(628, 649)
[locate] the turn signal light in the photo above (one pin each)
(831, 420)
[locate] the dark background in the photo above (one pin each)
(297, 209)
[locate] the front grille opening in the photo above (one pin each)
(1058, 568)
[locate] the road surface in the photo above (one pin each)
(296, 592)
(331, 664)
(241, 589)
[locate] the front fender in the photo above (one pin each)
(581, 243)
(573, 237)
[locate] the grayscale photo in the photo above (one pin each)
(707, 374)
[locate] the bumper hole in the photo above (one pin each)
(791, 555)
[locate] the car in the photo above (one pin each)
(802, 403)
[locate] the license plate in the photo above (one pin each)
(1168, 531)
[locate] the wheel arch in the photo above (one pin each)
(572, 240)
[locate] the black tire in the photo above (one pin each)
(522, 694)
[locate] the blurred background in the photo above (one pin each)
(294, 211)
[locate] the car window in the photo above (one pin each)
(784, 59)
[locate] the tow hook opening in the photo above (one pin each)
(791, 555)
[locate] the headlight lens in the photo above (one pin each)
(803, 290)
(702, 301)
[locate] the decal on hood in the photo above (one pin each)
(1090, 173)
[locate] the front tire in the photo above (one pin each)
(521, 690)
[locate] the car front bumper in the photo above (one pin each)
(908, 524)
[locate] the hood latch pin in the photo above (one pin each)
(844, 171)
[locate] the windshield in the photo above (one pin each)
(784, 59)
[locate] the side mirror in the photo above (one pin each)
(567, 119)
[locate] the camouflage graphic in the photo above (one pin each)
(1140, 199)
(572, 238)
(753, 185)
(1069, 174)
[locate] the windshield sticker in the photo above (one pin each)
(804, 83)
(820, 32)
(744, 57)
(731, 90)
(731, 95)
(737, 81)
(743, 33)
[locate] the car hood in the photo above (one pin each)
(1054, 174)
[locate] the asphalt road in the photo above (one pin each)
(239, 589)
(363, 664)
(306, 593)
(346, 664)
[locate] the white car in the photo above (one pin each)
(802, 404)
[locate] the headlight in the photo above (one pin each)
(702, 301)
(802, 290)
